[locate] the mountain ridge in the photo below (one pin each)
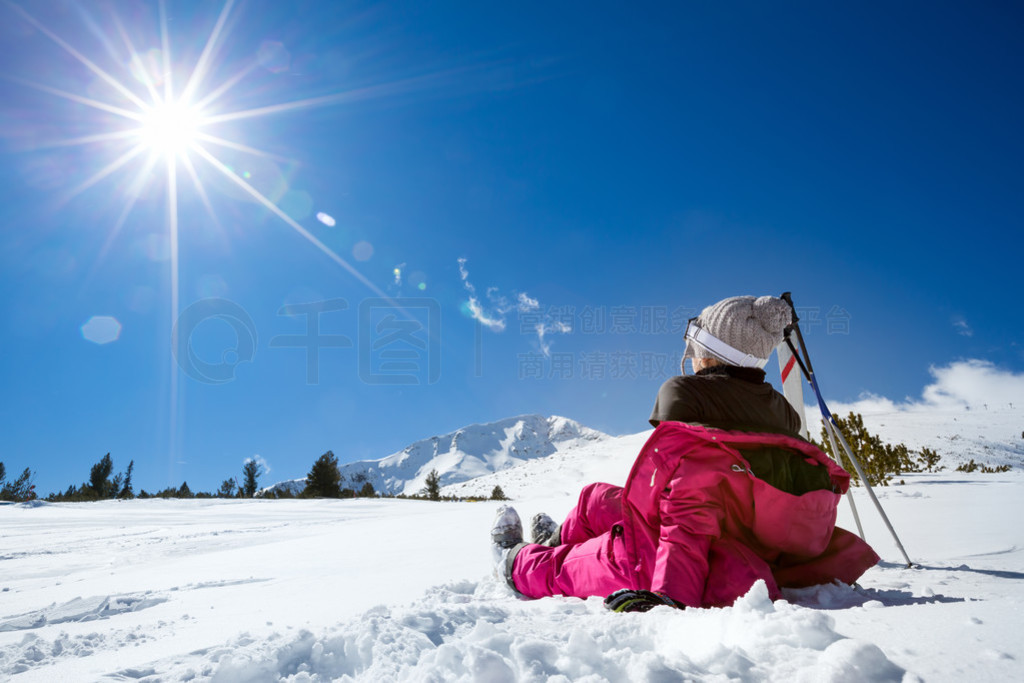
(518, 464)
(466, 453)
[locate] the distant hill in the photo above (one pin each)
(993, 435)
(513, 452)
(467, 453)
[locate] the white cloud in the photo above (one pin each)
(464, 274)
(493, 316)
(962, 328)
(526, 303)
(493, 320)
(264, 465)
(493, 323)
(974, 383)
(545, 328)
(545, 347)
(966, 383)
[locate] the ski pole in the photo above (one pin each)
(831, 424)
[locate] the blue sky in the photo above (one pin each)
(600, 169)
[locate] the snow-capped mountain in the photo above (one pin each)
(467, 453)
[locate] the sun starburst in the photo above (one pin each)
(176, 126)
(163, 132)
(170, 128)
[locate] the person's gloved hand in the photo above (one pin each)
(629, 600)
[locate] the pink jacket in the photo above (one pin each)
(676, 509)
(695, 524)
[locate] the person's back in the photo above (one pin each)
(684, 525)
(728, 397)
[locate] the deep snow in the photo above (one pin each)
(313, 590)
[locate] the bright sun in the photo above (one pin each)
(175, 125)
(170, 128)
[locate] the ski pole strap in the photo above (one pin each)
(788, 298)
(825, 412)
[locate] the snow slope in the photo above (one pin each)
(971, 410)
(993, 435)
(383, 590)
(464, 454)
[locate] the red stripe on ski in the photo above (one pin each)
(789, 366)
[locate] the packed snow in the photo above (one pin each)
(387, 589)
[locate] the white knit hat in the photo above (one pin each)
(749, 325)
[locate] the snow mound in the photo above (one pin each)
(34, 653)
(81, 609)
(607, 460)
(476, 632)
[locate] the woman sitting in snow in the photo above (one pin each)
(724, 492)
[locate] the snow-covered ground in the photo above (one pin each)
(380, 590)
(971, 410)
(992, 435)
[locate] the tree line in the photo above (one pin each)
(21, 489)
(103, 484)
(323, 481)
(882, 462)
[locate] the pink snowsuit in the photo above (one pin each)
(694, 523)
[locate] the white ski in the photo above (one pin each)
(792, 383)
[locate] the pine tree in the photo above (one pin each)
(367, 491)
(19, 490)
(184, 491)
(251, 473)
(498, 494)
(324, 479)
(3, 473)
(126, 488)
(930, 460)
(228, 489)
(866, 447)
(169, 492)
(432, 488)
(99, 477)
(880, 461)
